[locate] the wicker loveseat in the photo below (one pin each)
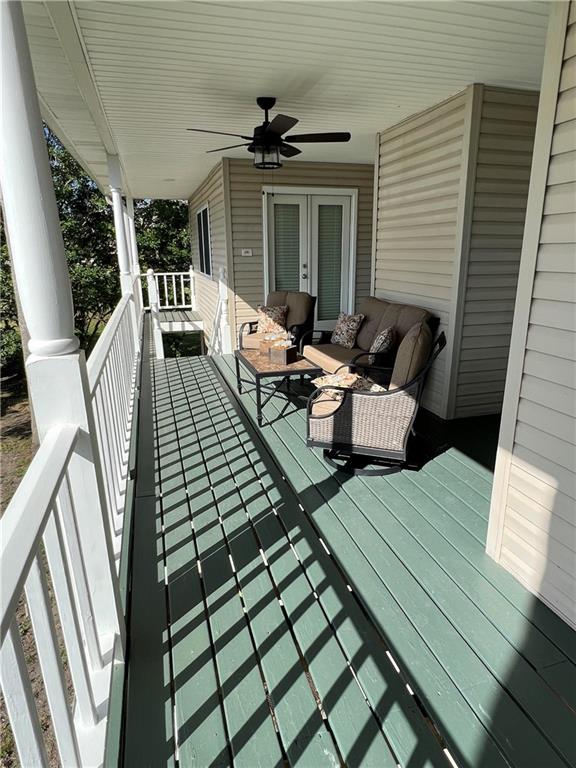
(300, 318)
(375, 423)
(378, 315)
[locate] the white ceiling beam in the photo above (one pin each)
(65, 23)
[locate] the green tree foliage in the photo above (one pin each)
(162, 234)
(89, 239)
(9, 335)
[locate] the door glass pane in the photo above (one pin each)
(287, 246)
(329, 261)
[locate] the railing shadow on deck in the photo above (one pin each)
(198, 387)
(247, 539)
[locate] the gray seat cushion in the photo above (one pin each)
(329, 357)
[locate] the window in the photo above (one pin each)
(203, 226)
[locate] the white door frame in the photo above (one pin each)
(350, 192)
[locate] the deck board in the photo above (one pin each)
(270, 540)
(523, 697)
(297, 610)
(355, 728)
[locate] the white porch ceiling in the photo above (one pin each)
(130, 77)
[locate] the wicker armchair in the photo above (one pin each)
(374, 424)
(300, 317)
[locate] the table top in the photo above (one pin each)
(263, 366)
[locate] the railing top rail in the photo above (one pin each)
(23, 521)
(95, 362)
(186, 273)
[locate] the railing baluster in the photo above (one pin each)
(70, 618)
(20, 702)
(110, 410)
(174, 300)
(166, 304)
(81, 589)
(105, 450)
(42, 619)
(182, 302)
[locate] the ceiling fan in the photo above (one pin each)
(268, 141)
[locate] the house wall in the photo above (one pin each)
(504, 142)
(452, 191)
(210, 192)
(245, 190)
(532, 529)
(421, 163)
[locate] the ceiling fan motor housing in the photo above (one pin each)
(265, 102)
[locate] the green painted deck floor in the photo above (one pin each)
(284, 614)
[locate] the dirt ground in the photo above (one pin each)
(16, 452)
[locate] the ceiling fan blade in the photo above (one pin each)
(304, 138)
(280, 124)
(221, 149)
(287, 151)
(220, 133)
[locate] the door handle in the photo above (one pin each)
(304, 276)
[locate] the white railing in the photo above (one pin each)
(112, 370)
(174, 290)
(47, 547)
(220, 340)
(40, 535)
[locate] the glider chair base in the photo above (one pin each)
(362, 464)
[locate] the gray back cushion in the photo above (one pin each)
(412, 355)
(373, 310)
(299, 304)
(402, 317)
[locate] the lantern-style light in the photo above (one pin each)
(267, 158)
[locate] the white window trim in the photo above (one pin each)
(350, 192)
(205, 207)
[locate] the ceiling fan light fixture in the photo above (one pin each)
(267, 158)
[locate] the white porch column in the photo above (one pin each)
(225, 339)
(131, 235)
(154, 314)
(56, 370)
(115, 177)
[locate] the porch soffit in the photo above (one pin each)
(130, 77)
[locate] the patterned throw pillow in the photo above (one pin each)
(346, 330)
(346, 380)
(272, 319)
(384, 342)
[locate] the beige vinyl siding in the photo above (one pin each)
(210, 193)
(247, 226)
(533, 525)
(420, 166)
(506, 137)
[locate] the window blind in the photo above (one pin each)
(329, 261)
(204, 241)
(287, 247)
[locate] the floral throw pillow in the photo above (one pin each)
(272, 319)
(346, 380)
(346, 330)
(384, 342)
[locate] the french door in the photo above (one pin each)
(309, 249)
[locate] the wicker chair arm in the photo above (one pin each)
(251, 325)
